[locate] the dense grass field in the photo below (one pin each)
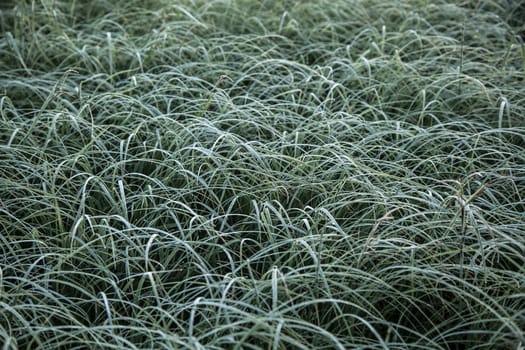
(241, 174)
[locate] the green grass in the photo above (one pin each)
(262, 174)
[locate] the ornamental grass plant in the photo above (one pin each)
(239, 174)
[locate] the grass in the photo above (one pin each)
(262, 175)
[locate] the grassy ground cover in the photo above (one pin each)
(262, 174)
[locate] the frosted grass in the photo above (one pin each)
(262, 175)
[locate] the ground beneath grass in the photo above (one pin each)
(262, 174)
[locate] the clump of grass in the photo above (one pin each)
(266, 175)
